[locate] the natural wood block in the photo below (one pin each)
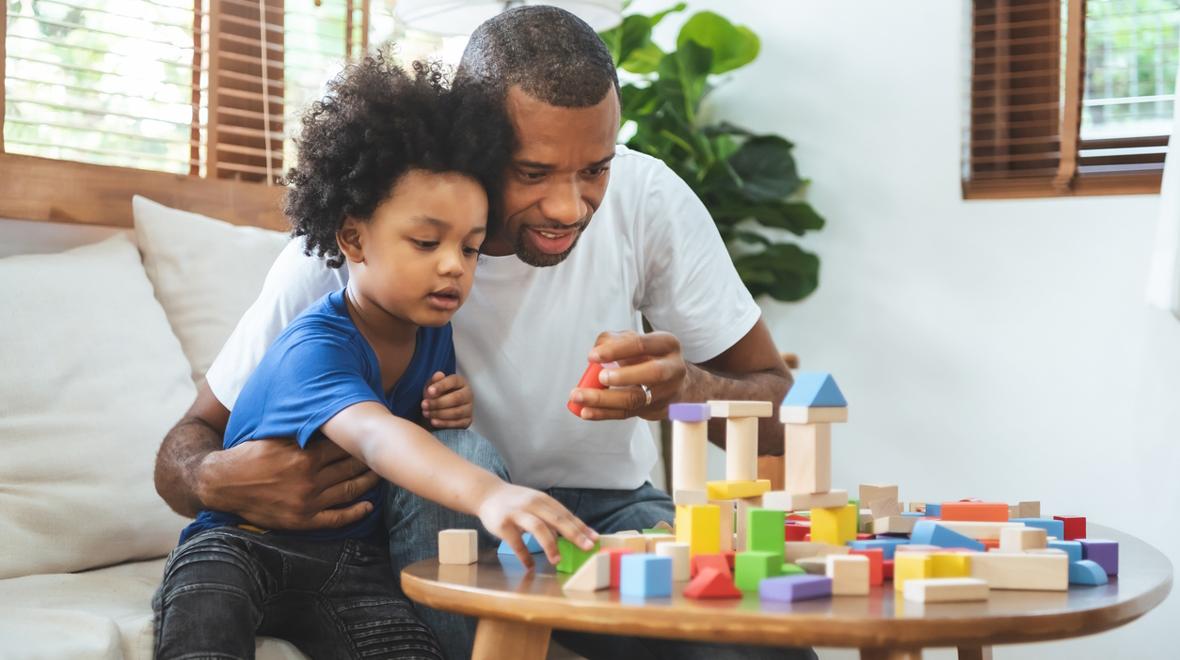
(1020, 539)
(726, 511)
(741, 449)
(796, 550)
(633, 542)
(808, 415)
(1029, 509)
(593, 575)
(689, 450)
(945, 590)
(894, 525)
(740, 408)
(1036, 571)
(979, 530)
(808, 458)
(688, 497)
(656, 540)
(911, 566)
(849, 573)
(784, 501)
(872, 492)
(741, 514)
(458, 546)
(679, 552)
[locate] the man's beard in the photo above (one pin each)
(533, 257)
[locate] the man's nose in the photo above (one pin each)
(563, 203)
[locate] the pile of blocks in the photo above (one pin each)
(812, 541)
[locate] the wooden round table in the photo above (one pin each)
(517, 609)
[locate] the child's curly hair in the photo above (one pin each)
(376, 123)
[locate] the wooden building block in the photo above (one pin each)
(1074, 527)
(530, 543)
(701, 562)
(680, 560)
(814, 389)
(876, 564)
(656, 540)
(808, 458)
(741, 511)
(726, 517)
(836, 526)
(699, 525)
(689, 497)
(951, 564)
(974, 511)
(711, 583)
(794, 551)
(752, 567)
(785, 501)
(979, 530)
(731, 409)
(632, 542)
(572, 557)
(1036, 571)
(736, 490)
(812, 415)
(594, 575)
(616, 557)
(1086, 572)
(1029, 510)
(689, 450)
(814, 565)
(646, 576)
(764, 530)
(945, 590)
(932, 532)
(893, 525)
(793, 588)
(849, 573)
(911, 566)
(741, 449)
(887, 545)
(1072, 549)
(1102, 552)
(1021, 538)
(458, 546)
(1054, 528)
(869, 493)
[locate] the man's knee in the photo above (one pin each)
(475, 449)
(211, 562)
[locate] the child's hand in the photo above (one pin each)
(510, 510)
(447, 401)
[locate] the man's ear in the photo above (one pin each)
(350, 240)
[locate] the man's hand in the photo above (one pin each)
(510, 510)
(447, 401)
(651, 360)
(276, 485)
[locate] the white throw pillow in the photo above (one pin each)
(205, 272)
(91, 378)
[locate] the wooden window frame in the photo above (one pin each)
(1067, 181)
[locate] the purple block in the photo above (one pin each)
(688, 412)
(1102, 552)
(790, 588)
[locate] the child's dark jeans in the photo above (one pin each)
(331, 599)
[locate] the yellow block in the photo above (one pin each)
(836, 526)
(737, 490)
(699, 525)
(911, 566)
(951, 564)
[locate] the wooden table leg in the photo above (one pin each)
(496, 639)
(975, 653)
(891, 654)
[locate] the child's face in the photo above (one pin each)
(415, 258)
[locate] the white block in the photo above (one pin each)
(689, 497)
(458, 546)
(689, 449)
(849, 573)
(805, 415)
(1036, 571)
(945, 590)
(795, 550)
(727, 521)
(894, 525)
(1019, 539)
(808, 458)
(784, 501)
(741, 449)
(979, 531)
(593, 575)
(634, 542)
(680, 562)
(813, 565)
(740, 408)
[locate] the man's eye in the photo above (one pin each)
(596, 171)
(424, 245)
(532, 176)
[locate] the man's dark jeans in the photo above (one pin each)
(331, 599)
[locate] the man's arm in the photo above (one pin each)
(271, 483)
(750, 370)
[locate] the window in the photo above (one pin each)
(1069, 96)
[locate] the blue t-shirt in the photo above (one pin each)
(317, 367)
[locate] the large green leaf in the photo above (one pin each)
(783, 271)
(766, 167)
(733, 46)
(682, 79)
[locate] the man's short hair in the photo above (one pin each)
(554, 56)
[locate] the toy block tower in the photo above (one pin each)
(690, 431)
(808, 412)
(742, 489)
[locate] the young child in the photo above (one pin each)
(391, 181)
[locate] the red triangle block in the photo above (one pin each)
(711, 583)
(700, 562)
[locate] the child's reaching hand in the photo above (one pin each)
(511, 510)
(447, 401)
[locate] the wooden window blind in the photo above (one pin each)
(1069, 96)
(210, 88)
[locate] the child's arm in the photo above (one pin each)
(410, 457)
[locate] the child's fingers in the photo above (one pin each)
(512, 538)
(441, 386)
(457, 412)
(570, 526)
(451, 399)
(451, 424)
(542, 533)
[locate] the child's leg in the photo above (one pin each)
(210, 601)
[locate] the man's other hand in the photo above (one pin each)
(652, 360)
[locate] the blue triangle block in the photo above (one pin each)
(531, 543)
(1086, 572)
(929, 532)
(815, 389)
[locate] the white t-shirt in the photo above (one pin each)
(523, 335)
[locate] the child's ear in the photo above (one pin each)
(349, 239)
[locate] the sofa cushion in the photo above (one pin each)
(92, 378)
(205, 273)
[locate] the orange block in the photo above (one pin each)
(976, 511)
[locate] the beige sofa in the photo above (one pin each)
(100, 349)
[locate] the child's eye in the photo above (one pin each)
(471, 251)
(424, 245)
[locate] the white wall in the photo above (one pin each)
(998, 350)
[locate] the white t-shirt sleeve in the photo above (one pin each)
(689, 284)
(294, 282)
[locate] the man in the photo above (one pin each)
(575, 265)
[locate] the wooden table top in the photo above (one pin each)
(500, 588)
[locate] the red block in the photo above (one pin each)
(616, 563)
(1075, 527)
(701, 562)
(589, 380)
(797, 532)
(990, 543)
(876, 564)
(886, 569)
(864, 536)
(798, 518)
(729, 559)
(711, 583)
(807, 537)
(974, 511)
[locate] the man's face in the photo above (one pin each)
(557, 177)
